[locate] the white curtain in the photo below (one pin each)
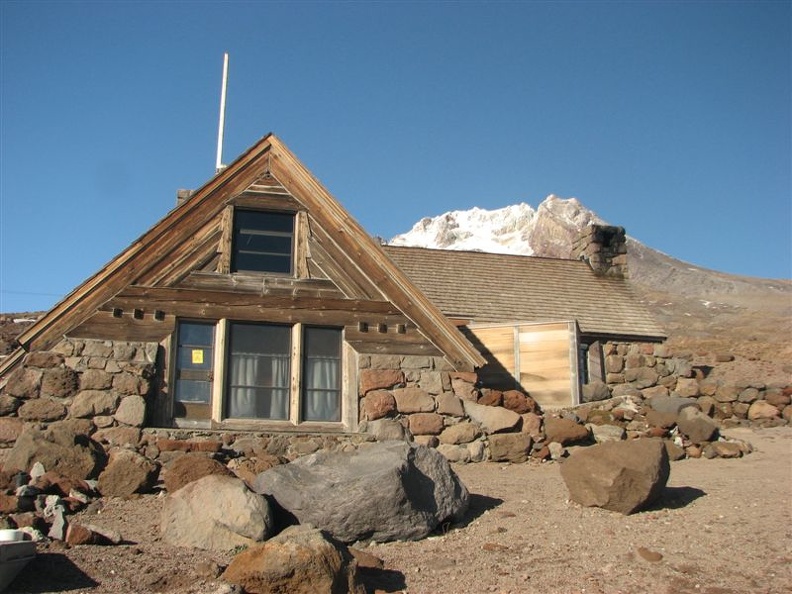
(321, 390)
(254, 393)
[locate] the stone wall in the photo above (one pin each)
(649, 370)
(423, 399)
(106, 383)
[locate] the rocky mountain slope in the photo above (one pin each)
(700, 308)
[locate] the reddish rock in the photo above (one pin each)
(519, 402)
(300, 560)
(491, 398)
(180, 445)
(379, 379)
(189, 468)
(127, 472)
(564, 431)
(378, 404)
(542, 453)
(426, 424)
(79, 535)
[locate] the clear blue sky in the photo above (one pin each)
(669, 118)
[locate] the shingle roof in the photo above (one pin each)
(484, 287)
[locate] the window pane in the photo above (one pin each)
(194, 356)
(262, 241)
(259, 373)
(321, 374)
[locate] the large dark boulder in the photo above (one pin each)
(385, 491)
(621, 476)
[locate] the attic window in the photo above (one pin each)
(262, 242)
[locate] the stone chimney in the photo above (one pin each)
(183, 196)
(604, 248)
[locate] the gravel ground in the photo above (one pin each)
(722, 527)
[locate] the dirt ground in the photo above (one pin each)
(721, 527)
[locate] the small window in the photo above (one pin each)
(321, 397)
(262, 242)
(259, 371)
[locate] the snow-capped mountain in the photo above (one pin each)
(518, 229)
(689, 300)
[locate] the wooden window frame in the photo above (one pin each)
(299, 249)
(347, 370)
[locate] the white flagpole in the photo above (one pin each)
(219, 164)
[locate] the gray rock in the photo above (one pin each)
(464, 432)
(386, 491)
(386, 430)
(695, 425)
(492, 419)
(131, 411)
(299, 560)
(217, 513)
(564, 431)
(672, 404)
(603, 433)
(621, 476)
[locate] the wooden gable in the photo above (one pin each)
(180, 268)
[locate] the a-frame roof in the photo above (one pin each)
(485, 287)
(178, 231)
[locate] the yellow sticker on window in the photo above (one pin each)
(197, 357)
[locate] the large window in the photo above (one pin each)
(262, 242)
(259, 371)
(268, 372)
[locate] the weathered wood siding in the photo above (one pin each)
(538, 358)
